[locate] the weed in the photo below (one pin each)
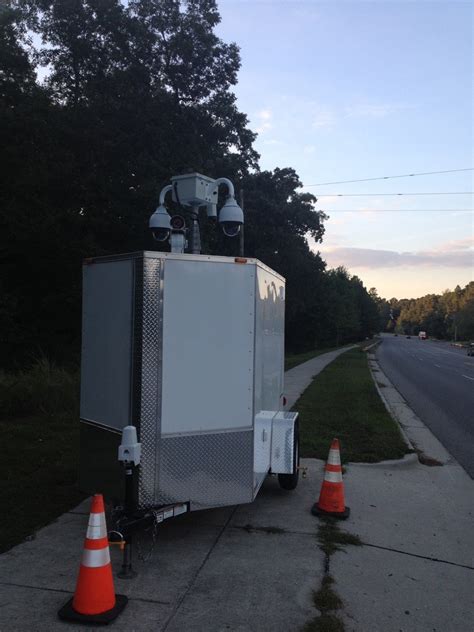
(331, 539)
(326, 598)
(324, 623)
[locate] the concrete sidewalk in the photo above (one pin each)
(415, 572)
(246, 568)
(253, 568)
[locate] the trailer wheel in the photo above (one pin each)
(290, 481)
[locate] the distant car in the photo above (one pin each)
(408, 336)
(422, 335)
(395, 335)
(470, 349)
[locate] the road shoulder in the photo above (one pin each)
(417, 435)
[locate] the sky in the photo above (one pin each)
(349, 90)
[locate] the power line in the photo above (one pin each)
(384, 194)
(399, 210)
(406, 175)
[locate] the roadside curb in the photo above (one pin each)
(409, 460)
(418, 436)
(373, 364)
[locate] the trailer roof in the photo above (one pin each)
(153, 254)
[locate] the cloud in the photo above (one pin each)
(309, 149)
(264, 121)
(455, 254)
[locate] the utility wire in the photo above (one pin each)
(383, 194)
(406, 175)
(398, 210)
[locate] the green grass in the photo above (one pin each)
(43, 388)
(331, 539)
(324, 623)
(39, 435)
(342, 402)
(39, 474)
(292, 360)
(326, 598)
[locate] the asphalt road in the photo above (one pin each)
(437, 381)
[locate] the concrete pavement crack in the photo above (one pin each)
(423, 557)
(201, 566)
(68, 592)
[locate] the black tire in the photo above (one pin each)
(290, 481)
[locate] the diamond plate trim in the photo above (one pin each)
(282, 442)
(151, 318)
(208, 470)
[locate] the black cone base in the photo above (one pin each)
(67, 613)
(343, 515)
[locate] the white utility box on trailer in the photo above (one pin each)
(190, 350)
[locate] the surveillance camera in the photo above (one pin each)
(231, 217)
(160, 234)
(178, 223)
(160, 224)
(231, 229)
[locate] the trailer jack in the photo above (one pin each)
(130, 518)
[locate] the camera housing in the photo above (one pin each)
(159, 224)
(231, 217)
(178, 223)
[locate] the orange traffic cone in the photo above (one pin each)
(95, 600)
(331, 499)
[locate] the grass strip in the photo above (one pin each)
(39, 473)
(342, 402)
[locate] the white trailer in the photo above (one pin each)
(189, 349)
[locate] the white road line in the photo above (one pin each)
(469, 378)
(421, 359)
(438, 366)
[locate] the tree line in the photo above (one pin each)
(101, 102)
(448, 316)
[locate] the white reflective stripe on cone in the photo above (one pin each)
(97, 519)
(334, 457)
(333, 477)
(96, 528)
(96, 558)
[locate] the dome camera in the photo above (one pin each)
(231, 217)
(231, 229)
(159, 224)
(177, 222)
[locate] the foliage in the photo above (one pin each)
(447, 316)
(41, 389)
(39, 480)
(101, 101)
